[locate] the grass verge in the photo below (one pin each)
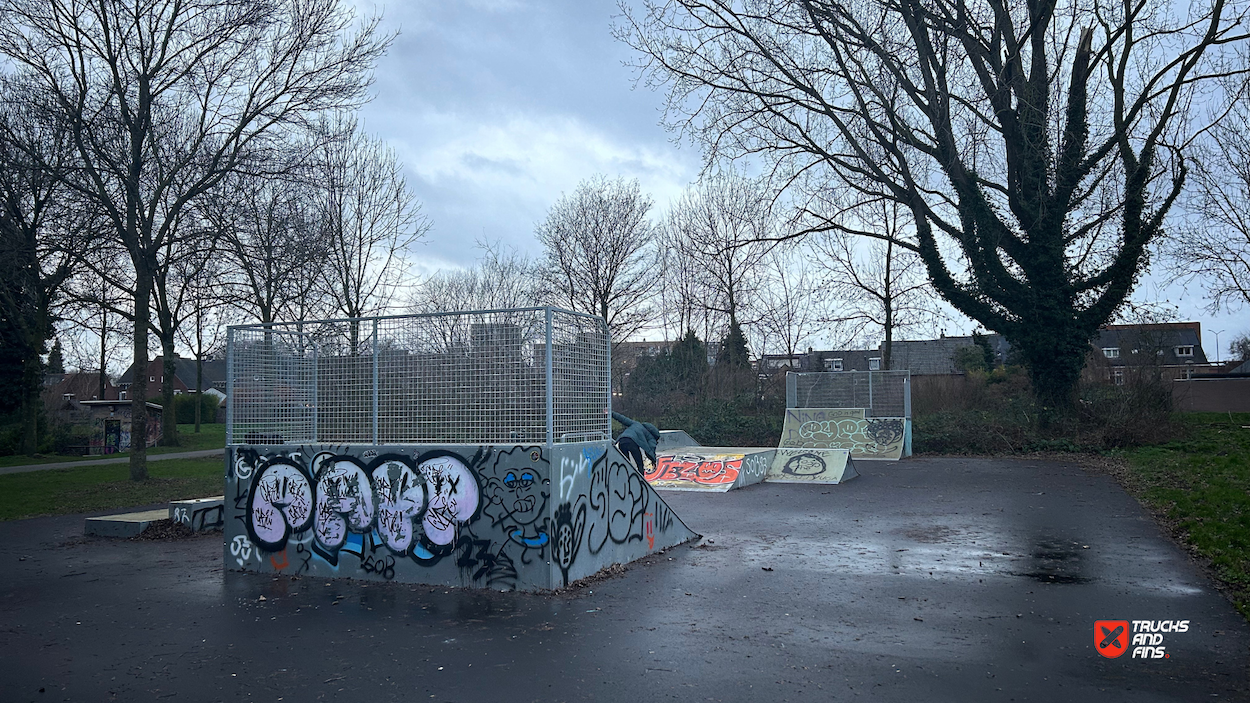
(1199, 488)
(91, 488)
(210, 437)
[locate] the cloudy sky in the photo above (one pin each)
(497, 107)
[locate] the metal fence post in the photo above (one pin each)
(314, 392)
(229, 385)
(375, 381)
(551, 400)
(870, 411)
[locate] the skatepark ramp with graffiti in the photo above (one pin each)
(865, 412)
(467, 449)
(716, 469)
(522, 517)
(845, 429)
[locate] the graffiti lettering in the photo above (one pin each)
(696, 469)
(281, 503)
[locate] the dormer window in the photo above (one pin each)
(1111, 352)
(874, 364)
(1185, 350)
(833, 364)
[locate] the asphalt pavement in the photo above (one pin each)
(923, 580)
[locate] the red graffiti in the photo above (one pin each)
(650, 530)
(279, 565)
(711, 472)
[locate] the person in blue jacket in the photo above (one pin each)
(636, 439)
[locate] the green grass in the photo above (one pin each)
(91, 488)
(210, 437)
(1200, 487)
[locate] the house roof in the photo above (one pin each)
(83, 385)
(184, 370)
(1157, 342)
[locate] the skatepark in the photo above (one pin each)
(369, 551)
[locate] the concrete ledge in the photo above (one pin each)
(199, 514)
(123, 524)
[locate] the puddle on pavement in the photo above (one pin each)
(1055, 561)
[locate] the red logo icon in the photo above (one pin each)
(1111, 637)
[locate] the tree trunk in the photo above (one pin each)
(32, 404)
(1055, 353)
(199, 387)
(169, 416)
(104, 329)
(139, 387)
(887, 347)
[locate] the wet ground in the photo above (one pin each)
(925, 580)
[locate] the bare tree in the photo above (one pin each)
(791, 301)
(501, 279)
(208, 314)
(370, 219)
(276, 248)
(1214, 247)
(162, 98)
(722, 227)
(1043, 141)
(879, 284)
(600, 253)
(39, 232)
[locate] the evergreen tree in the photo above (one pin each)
(688, 363)
(733, 350)
(56, 358)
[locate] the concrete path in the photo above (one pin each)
(925, 580)
(198, 454)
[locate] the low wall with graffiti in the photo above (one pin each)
(518, 517)
(846, 428)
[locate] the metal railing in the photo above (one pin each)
(528, 375)
(880, 393)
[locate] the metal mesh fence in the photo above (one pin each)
(533, 375)
(880, 393)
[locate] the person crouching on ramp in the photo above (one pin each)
(636, 439)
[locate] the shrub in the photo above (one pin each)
(184, 408)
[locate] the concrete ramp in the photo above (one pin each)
(812, 466)
(844, 428)
(514, 517)
(671, 439)
(716, 469)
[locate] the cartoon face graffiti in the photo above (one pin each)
(401, 496)
(452, 494)
(344, 501)
(523, 495)
(804, 465)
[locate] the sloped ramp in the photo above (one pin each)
(617, 518)
(521, 517)
(672, 439)
(716, 469)
(827, 466)
(844, 428)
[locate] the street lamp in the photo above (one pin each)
(1217, 345)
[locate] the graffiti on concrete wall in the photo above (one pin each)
(486, 520)
(865, 438)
